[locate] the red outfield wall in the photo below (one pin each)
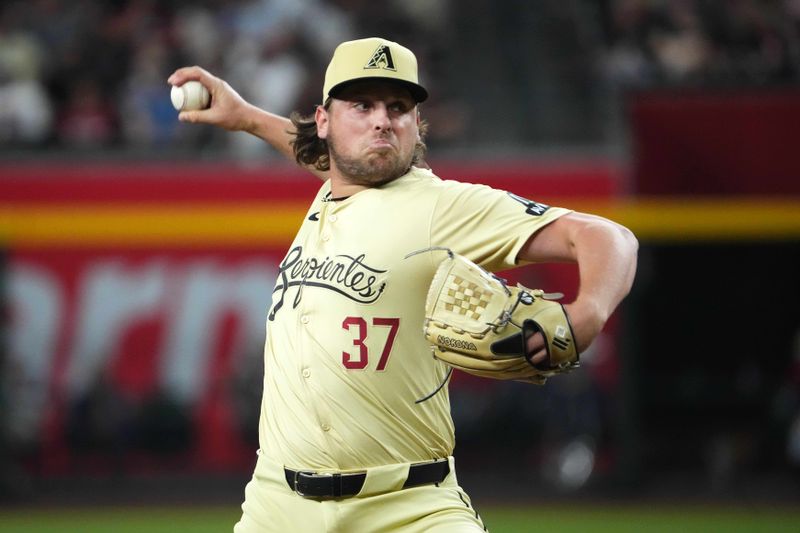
(144, 288)
(716, 142)
(141, 289)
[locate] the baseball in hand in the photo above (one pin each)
(190, 96)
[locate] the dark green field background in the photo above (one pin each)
(556, 519)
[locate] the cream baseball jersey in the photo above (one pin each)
(345, 358)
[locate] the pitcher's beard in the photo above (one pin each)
(371, 171)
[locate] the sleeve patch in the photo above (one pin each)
(531, 207)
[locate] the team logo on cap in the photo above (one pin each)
(381, 58)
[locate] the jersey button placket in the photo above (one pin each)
(329, 219)
(305, 371)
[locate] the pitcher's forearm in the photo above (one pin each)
(606, 255)
(273, 129)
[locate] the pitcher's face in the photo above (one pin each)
(372, 129)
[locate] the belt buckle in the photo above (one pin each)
(307, 473)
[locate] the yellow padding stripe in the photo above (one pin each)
(691, 219)
(275, 223)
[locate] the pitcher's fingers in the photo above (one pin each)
(539, 356)
(535, 343)
(184, 74)
(196, 116)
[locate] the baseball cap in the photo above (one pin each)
(372, 59)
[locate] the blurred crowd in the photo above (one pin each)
(707, 42)
(88, 74)
(92, 74)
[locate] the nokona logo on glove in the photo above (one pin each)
(458, 344)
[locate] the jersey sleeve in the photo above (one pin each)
(489, 226)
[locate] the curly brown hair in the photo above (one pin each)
(310, 150)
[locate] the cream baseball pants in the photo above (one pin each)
(382, 505)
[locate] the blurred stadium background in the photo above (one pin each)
(138, 253)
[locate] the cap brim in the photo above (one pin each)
(418, 92)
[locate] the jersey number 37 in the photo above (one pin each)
(360, 328)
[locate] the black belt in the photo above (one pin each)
(316, 485)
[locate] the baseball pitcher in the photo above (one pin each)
(385, 289)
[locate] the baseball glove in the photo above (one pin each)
(476, 323)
